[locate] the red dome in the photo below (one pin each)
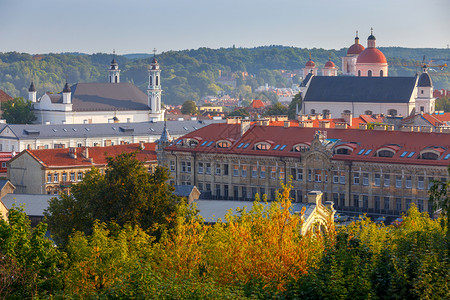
(329, 64)
(310, 63)
(371, 56)
(355, 49)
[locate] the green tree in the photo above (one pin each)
(240, 112)
(189, 107)
(18, 111)
(276, 110)
(126, 193)
(440, 197)
(28, 260)
(295, 103)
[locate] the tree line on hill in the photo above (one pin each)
(193, 74)
(123, 234)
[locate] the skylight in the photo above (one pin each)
(179, 141)
(185, 128)
(282, 147)
(195, 128)
(74, 129)
(361, 151)
(447, 156)
(403, 154)
(209, 144)
(368, 151)
(204, 143)
(65, 129)
(411, 154)
(114, 128)
(87, 129)
(246, 145)
(151, 129)
(54, 129)
(276, 147)
(240, 145)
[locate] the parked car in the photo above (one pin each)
(340, 218)
(380, 220)
(397, 222)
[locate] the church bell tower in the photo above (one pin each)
(113, 71)
(154, 86)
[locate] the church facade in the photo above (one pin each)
(110, 102)
(364, 87)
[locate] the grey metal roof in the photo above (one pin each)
(107, 97)
(3, 182)
(183, 190)
(212, 210)
(42, 131)
(424, 80)
(360, 89)
(34, 204)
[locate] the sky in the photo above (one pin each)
(139, 26)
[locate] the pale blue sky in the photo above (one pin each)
(137, 26)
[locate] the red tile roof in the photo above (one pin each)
(61, 157)
(4, 96)
(276, 135)
(257, 104)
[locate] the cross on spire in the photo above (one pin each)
(356, 33)
(310, 55)
(114, 51)
(154, 52)
(371, 30)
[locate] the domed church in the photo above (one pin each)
(365, 88)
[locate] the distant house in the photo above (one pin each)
(51, 171)
(4, 97)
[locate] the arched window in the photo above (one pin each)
(392, 112)
(115, 79)
(313, 111)
(223, 144)
(385, 153)
(368, 112)
(369, 73)
(151, 80)
(359, 73)
(343, 151)
(157, 80)
(381, 73)
(262, 146)
(325, 111)
(300, 148)
(192, 142)
(430, 156)
(347, 111)
(348, 68)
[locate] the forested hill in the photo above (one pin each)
(192, 74)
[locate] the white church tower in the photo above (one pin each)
(425, 102)
(154, 87)
(114, 72)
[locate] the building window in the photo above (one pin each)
(359, 73)
(244, 171)
(64, 177)
(335, 177)
(420, 205)
(225, 169)
(430, 182)
(381, 73)
(387, 180)
(236, 192)
(236, 170)
(355, 200)
(369, 73)
(225, 191)
(365, 178)
(244, 192)
(281, 173)
(294, 173)
(392, 112)
(386, 203)
(377, 180)
(342, 178)
(356, 178)
(200, 168)
(262, 172)
(398, 204)
(407, 203)
(365, 201)
(218, 169)
(188, 167)
(208, 187)
(49, 178)
(172, 165)
(420, 182)
(408, 183)
(318, 175)
(273, 173)
(55, 177)
(3, 165)
(398, 181)
(254, 172)
(254, 192)
(218, 190)
(300, 174)
(208, 168)
(80, 176)
(368, 112)
(377, 201)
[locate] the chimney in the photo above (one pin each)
(234, 120)
(85, 152)
(324, 124)
(287, 124)
(302, 117)
(347, 118)
(327, 115)
(73, 152)
(315, 197)
(245, 125)
(141, 145)
(363, 126)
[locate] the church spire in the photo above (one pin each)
(154, 85)
(113, 71)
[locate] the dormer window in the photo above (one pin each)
(300, 148)
(192, 142)
(262, 146)
(431, 153)
(385, 153)
(223, 144)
